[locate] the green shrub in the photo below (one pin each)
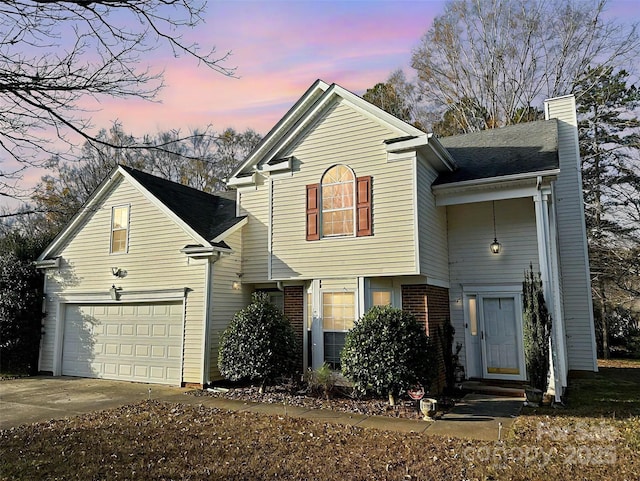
(20, 315)
(259, 345)
(387, 352)
(537, 331)
(321, 381)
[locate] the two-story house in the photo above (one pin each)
(342, 207)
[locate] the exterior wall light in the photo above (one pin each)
(113, 292)
(235, 285)
(495, 245)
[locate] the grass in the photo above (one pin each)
(162, 441)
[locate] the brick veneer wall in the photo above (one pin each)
(294, 310)
(430, 305)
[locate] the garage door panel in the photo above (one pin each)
(135, 342)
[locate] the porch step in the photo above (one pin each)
(482, 387)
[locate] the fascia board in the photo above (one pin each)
(511, 189)
(410, 144)
(230, 230)
(425, 141)
(238, 181)
(48, 263)
(206, 251)
(495, 180)
(441, 152)
(81, 214)
(297, 110)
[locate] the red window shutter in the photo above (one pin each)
(363, 206)
(313, 228)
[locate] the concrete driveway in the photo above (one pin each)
(42, 398)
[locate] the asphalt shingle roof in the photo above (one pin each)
(516, 149)
(208, 214)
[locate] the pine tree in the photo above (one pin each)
(609, 132)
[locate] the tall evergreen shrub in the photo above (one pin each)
(537, 330)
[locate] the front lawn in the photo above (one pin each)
(596, 437)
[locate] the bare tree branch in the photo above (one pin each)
(506, 55)
(54, 54)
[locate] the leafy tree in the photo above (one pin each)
(609, 134)
(56, 54)
(506, 55)
(536, 331)
(387, 352)
(202, 160)
(399, 97)
(385, 96)
(259, 345)
(21, 291)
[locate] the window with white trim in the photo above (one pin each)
(338, 316)
(119, 229)
(338, 206)
(381, 297)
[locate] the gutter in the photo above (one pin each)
(493, 180)
(48, 263)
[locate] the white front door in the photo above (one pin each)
(501, 338)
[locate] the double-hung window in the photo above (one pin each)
(119, 229)
(338, 316)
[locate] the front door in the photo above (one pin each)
(501, 338)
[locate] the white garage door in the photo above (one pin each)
(130, 342)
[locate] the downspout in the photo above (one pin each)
(206, 341)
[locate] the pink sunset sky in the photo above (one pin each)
(279, 49)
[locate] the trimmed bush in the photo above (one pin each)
(388, 352)
(259, 345)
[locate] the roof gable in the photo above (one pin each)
(516, 149)
(210, 215)
(306, 110)
(207, 218)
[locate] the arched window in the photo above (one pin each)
(338, 206)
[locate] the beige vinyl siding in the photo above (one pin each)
(343, 135)
(432, 228)
(153, 262)
(574, 267)
(255, 204)
(339, 284)
(225, 301)
(51, 317)
(470, 232)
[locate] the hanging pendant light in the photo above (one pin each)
(495, 245)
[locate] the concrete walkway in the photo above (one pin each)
(40, 399)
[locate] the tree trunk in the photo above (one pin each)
(392, 400)
(262, 385)
(605, 320)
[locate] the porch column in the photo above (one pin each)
(550, 288)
